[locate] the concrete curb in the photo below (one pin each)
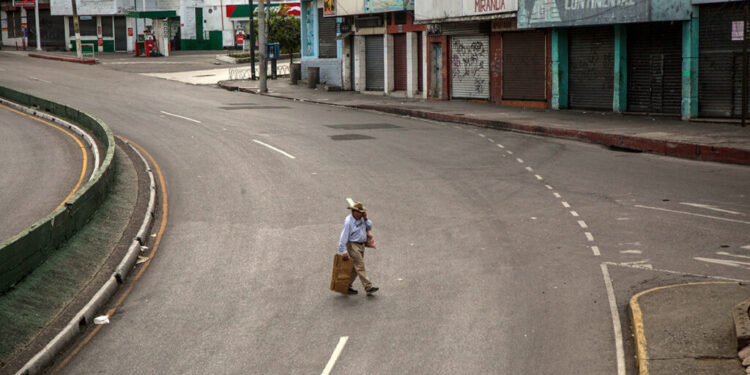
(61, 58)
(636, 319)
(685, 150)
(741, 315)
(86, 315)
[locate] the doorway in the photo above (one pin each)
(436, 69)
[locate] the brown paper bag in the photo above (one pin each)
(342, 272)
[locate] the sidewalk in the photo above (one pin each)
(688, 329)
(720, 142)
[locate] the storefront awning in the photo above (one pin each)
(152, 14)
(344, 35)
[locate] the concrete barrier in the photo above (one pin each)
(21, 254)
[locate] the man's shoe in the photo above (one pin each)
(353, 291)
(372, 290)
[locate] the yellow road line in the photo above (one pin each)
(110, 312)
(641, 348)
(71, 135)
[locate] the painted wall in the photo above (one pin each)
(382, 6)
(85, 7)
(427, 10)
(553, 13)
(349, 7)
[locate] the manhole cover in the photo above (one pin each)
(350, 137)
(363, 126)
(253, 107)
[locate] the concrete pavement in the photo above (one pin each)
(485, 261)
(688, 329)
(720, 142)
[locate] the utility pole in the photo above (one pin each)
(77, 30)
(36, 24)
(252, 40)
(745, 77)
(262, 45)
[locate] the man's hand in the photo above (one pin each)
(364, 215)
(346, 256)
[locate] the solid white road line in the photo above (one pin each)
(574, 213)
(39, 79)
(642, 267)
(335, 355)
(730, 263)
(566, 204)
(692, 214)
(589, 236)
(182, 117)
(595, 249)
(615, 320)
(582, 224)
(733, 255)
(290, 156)
(712, 208)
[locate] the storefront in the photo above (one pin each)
(524, 66)
(720, 60)
(465, 51)
(655, 67)
(591, 66)
(374, 66)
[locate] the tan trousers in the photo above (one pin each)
(357, 253)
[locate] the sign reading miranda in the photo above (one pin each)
(474, 7)
(24, 3)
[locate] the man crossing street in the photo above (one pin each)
(352, 244)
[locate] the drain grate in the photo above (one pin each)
(350, 137)
(234, 108)
(363, 126)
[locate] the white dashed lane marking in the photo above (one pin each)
(589, 236)
(529, 169)
(565, 204)
(595, 249)
(574, 213)
(582, 224)
(557, 195)
(538, 177)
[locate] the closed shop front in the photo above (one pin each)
(470, 67)
(52, 29)
(655, 67)
(524, 66)
(374, 67)
(327, 31)
(720, 60)
(399, 61)
(591, 67)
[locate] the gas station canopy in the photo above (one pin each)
(153, 14)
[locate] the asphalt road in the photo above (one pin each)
(494, 249)
(41, 166)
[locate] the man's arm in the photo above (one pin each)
(344, 237)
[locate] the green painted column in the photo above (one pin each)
(620, 97)
(690, 66)
(559, 68)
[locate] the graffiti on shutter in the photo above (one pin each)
(470, 70)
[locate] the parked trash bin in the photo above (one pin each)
(295, 72)
(313, 75)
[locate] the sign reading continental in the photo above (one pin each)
(553, 13)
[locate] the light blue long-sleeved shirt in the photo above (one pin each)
(354, 231)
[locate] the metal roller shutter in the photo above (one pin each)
(591, 67)
(655, 67)
(121, 36)
(399, 61)
(470, 67)
(419, 61)
(327, 30)
(524, 66)
(374, 68)
(719, 61)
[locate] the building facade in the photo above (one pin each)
(18, 25)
